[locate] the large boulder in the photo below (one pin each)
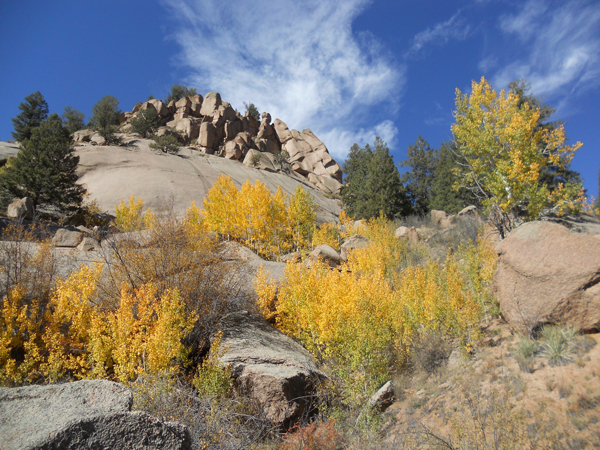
(67, 238)
(21, 208)
(211, 103)
(89, 414)
(548, 274)
(437, 216)
(269, 367)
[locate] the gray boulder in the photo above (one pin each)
(67, 238)
(269, 367)
(352, 243)
(326, 254)
(89, 414)
(21, 209)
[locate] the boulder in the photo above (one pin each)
(282, 131)
(352, 243)
(264, 161)
(409, 234)
(88, 244)
(447, 222)
(208, 135)
(469, 211)
(67, 238)
(21, 209)
(98, 139)
(325, 254)
(83, 135)
(269, 367)
(83, 414)
(548, 274)
(383, 398)
(211, 103)
(437, 216)
(160, 107)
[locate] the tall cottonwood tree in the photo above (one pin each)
(45, 168)
(422, 159)
(33, 112)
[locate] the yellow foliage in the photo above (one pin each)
(326, 234)
(502, 145)
(346, 225)
(130, 218)
(258, 219)
(212, 378)
(266, 291)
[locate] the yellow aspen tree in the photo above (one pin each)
(501, 144)
(301, 218)
(220, 206)
(130, 217)
(278, 211)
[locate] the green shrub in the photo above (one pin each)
(166, 144)
(145, 123)
(559, 344)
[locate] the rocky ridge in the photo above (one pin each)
(213, 127)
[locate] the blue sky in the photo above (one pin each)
(348, 70)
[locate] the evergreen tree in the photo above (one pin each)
(373, 183)
(444, 196)
(44, 169)
(178, 92)
(33, 112)
(252, 110)
(146, 122)
(74, 119)
(105, 114)
(422, 158)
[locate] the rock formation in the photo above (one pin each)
(548, 274)
(214, 127)
(84, 414)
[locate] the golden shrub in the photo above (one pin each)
(130, 217)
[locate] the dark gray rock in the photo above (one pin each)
(89, 414)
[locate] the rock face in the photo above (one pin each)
(548, 274)
(114, 173)
(269, 367)
(90, 414)
(21, 209)
(214, 127)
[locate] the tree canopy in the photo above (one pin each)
(505, 151)
(178, 92)
(33, 112)
(105, 113)
(373, 183)
(45, 168)
(422, 160)
(73, 119)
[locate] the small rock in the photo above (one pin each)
(383, 398)
(326, 254)
(21, 209)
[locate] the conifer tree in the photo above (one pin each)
(44, 168)
(178, 92)
(74, 119)
(418, 181)
(33, 112)
(373, 183)
(444, 196)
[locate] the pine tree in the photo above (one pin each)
(145, 123)
(74, 119)
(373, 183)
(418, 181)
(178, 92)
(106, 117)
(34, 112)
(444, 196)
(44, 168)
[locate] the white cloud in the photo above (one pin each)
(298, 60)
(441, 33)
(562, 47)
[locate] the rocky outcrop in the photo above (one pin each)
(90, 414)
(215, 128)
(548, 274)
(21, 209)
(269, 367)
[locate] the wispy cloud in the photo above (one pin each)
(562, 47)
(441, 33)
(298, 60)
